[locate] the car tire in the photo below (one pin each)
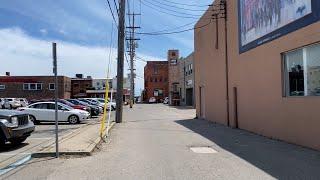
(73, 119)
(18, 141)
(2, 139)
(34, 120)
(113, 108)
(10, 107)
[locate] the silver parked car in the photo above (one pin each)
(4, 103)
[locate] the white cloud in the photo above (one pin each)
(24, 55)
(43, 31)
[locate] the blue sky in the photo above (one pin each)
(82, 30)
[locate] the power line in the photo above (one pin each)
(192, 5)
(177, 7)
(115, 4)
(167, 9)
(114, 19)
(175, 32)
(174, 28)
(159, 10)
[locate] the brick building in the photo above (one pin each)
(173, 77)
(80, 85)
(34, 87)
(156, 80)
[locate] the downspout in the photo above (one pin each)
(226, 62)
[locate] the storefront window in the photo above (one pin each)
(302, 71)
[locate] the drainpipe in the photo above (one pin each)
(226, 61)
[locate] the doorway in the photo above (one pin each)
(189, 97)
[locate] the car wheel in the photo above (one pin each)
(113, 108)
(2, 139)
(18, 141)
(34, 120)
(73, 119)
(10, 107)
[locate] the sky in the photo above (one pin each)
(82, 30)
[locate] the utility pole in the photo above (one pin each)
(132, 47)
(55, 72)
(121, 35)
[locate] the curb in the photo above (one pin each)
(87, 152)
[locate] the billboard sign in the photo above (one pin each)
(261, 21)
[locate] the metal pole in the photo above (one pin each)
(55, 71)
(120, 61)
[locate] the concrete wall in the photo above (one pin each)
(257, 74)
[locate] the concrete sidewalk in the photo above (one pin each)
(81, 142)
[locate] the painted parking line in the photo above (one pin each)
(15, 165)
(39, 138)
(14, 154)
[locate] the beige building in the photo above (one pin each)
(260, 72)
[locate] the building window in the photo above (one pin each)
(157, 92)
(302, 72)
(32, 86)
(160, 80)
(155, 70)
(156, 80)
(151, 80)
(52, 86)
(2, 86)
(173, 61)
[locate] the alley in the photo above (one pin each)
(161, 142)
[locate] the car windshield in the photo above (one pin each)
(65, 106)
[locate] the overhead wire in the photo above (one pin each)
(178, 7)
(113, 17)
(170, 10)
(164, 12)
(192, 5)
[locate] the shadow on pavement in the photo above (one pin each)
(10, 147)
(279, 159)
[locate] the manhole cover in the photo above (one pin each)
(203, 150)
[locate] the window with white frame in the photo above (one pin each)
(2, 87)
(302, 71)
(52, 86)
(32, 86)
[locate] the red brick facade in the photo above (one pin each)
(79, 87)
(34, 87)
(156, 80)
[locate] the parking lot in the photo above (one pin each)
(43, 135)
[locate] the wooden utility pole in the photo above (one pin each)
(132, 41)
(121, 36)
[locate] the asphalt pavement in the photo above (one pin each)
(160, 142)
(43, 135)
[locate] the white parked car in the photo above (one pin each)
(113, 104)
(45, 111)
(23, 101)
(14, 103)
(152, 100)
(4, 103)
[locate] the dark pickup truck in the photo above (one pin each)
(15, 127)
